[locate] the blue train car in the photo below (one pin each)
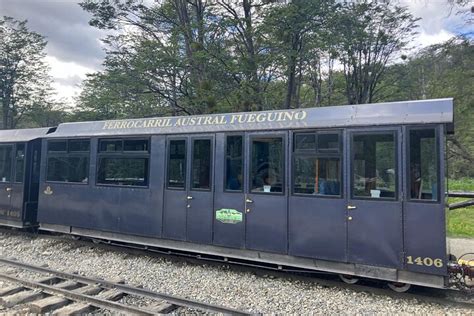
(20, 154)
(355, 190)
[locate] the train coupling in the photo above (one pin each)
(461, 273)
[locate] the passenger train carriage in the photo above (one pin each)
(355, 190)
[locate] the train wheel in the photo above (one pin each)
(349, 279)
(75, 237)
(399, 287)
(96, 241)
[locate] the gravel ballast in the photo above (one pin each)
(216, 284)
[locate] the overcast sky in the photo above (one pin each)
(74, 48)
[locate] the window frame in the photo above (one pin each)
(168, 146)
(15, 165)
(211, 167)
(124, 154)
(242, 135)
(395, 133)
(68, 154)
(407, 188)
(12, 162)
(283, 137)
(315, 153)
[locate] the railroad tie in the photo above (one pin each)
(111, 295)
(79, 307)
(162, 307)
(20, 298)
(69, 285)
(47, 304)
(11, 290)
(74, 309)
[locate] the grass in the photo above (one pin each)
(460, 222)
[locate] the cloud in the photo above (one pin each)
(65, 26)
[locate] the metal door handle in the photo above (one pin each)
(8, 189)
(247, 200)
(351, 207)
(189, 197)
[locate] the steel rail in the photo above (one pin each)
(73, 296)
(427, 295)
(182, 302)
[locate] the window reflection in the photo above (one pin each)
(267, 165)
(374, 166)
(234, 163)
(315, 175)
(5, 163)
(201, 167)
(19, 162)
(423, 165)
(177, 164)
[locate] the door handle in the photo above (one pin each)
(351, 207)
(247, 210)
(8, 189)
(189, 197)
(247, 200)
(349, 218)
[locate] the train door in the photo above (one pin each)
(188, 194)
(424, 217)
(317, 215)
(374, 208)
(229, 200)
(17, 185)
(266, 201)
(175, 191)
(6, 163)
(200, 196)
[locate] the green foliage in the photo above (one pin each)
(204, 57)
(460, 222)
(463, 184)
(441, 71)
(25, 86)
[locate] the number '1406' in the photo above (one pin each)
(427, 261)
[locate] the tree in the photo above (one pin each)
(24, 80)
(441, 71)
(370, 36)
(298, 31)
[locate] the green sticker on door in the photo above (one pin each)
(228, 216)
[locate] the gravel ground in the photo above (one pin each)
(217, 284)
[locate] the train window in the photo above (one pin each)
(79, 145)
(19, 162)
(123, 171)
(267, 169)
(68, 169)
(5, 163)
(123, 162)
(135, 145)
(328, 142)
(110, 145)
(234, 163)
(423, 165)
(57, 146)
(305, 141)
(201, 164)
(68, 161)
(177, 164)
(374, 170)
(317, 175)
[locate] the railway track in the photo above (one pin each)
(61, 293)
(446, 297)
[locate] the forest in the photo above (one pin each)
(186, 57)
